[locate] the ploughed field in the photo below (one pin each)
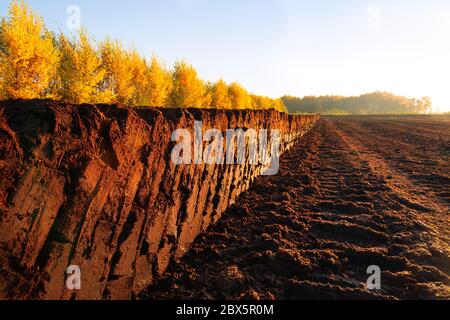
(354, 192)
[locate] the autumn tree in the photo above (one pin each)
(117, 85)
(278, 105)
(261, 102)
(2, 90)
(240, 98)
(139, 79)
(28, 56)
(159, 85)
(220, 98)
(35, 63)
(265, 103)
(188, 89)
(80, 70)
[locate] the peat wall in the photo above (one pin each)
(94, 186)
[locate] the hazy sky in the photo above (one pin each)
(277, 47)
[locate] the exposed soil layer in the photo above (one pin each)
(355, 192)
(95, 186)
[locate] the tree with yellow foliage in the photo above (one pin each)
(139, 78)
(260, 102)
(219, 95)
(117, 85)
(80, 70)
(2, 91)
(240, 98)
(28, 56)
(278, 105)
(264, 103)
(160, 85)
(188, 89)
(34, 63)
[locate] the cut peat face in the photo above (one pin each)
(93, 188)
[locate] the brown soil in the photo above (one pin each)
(356, 191)
(94, 186)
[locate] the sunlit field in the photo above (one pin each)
(203, 157)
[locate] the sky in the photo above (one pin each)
(278, 47)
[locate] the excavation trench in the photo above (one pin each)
(95, 187)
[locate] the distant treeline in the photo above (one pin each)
(37, 63)
(372, 103)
